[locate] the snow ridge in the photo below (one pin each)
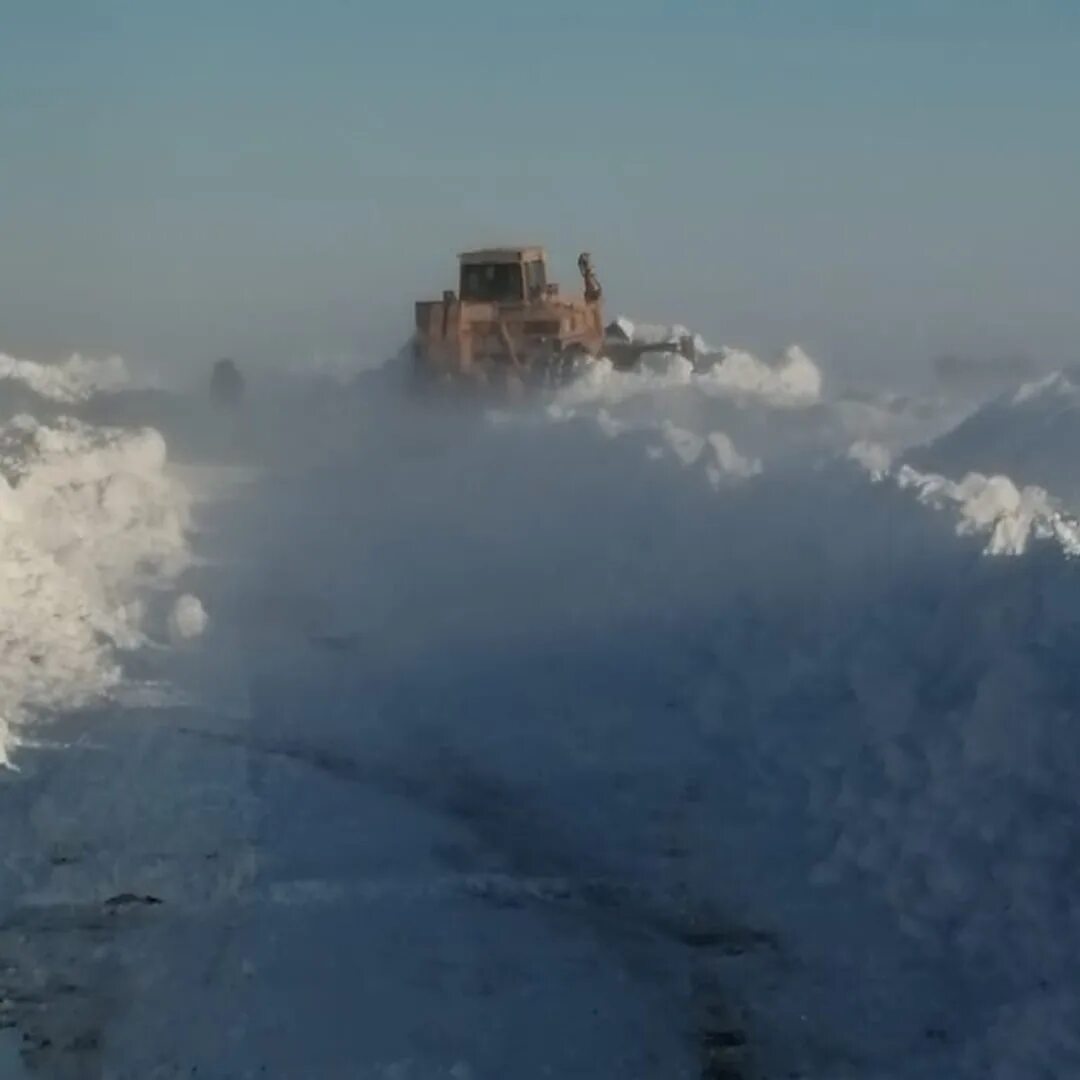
(793, 380)
(1010, 516)
(89, 519)
(995, 507)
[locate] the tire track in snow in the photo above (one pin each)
(545, 871)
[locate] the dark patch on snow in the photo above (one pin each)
(731, 941)
(720, 1033)
(540, 866)
(127, 900)
(336, 643)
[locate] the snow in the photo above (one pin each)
(722, 461)
(74, 380)
(728, 461)
(895, 422)
(1056, 384)
(188, 618)
(1010, 517)
(684, 709)
(791, 381)
(1031, 434)
(993, 505)
(89, 520)
(698, 413)
(775, 415)
(873, 457)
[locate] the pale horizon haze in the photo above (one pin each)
(273, 181)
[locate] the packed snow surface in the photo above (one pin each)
(690, 721)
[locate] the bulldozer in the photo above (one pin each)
(509, 325)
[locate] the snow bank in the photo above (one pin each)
(994, 506)
(771, 414)
(861, 702)
(950, 789)
(1031, 433)
(914, 702)
(89, 518)
(1009, 452)
(696, 413)
(735, 377)
(1010, 517)
(76, 379)
(791, 381)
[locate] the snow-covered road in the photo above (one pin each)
(561, 744)
(435, 808)
(364, 865)
(477, 826)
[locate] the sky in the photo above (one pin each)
(271, 180)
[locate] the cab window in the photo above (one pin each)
(491, 282)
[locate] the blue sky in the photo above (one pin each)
(880, 180)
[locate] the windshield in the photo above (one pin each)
(491, 282)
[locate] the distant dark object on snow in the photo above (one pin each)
(226, 384)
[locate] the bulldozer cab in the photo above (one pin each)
(503, 275)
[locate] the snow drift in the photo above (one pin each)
(993, 505)
(893, 699)
(1015, 457)
(792, 380)
(1011, 518)
(1031, 433)
(76, 379)
(89, 522)
(769, 414)
(651, 586)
